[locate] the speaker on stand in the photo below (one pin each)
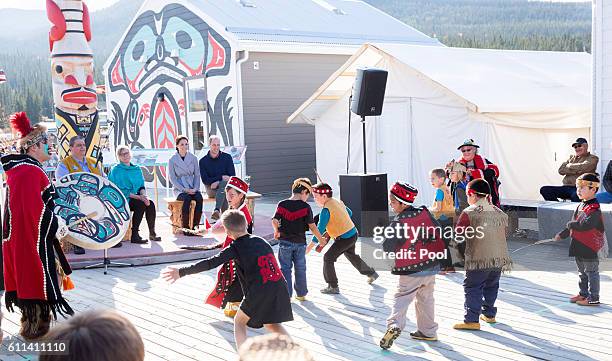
(366, 194)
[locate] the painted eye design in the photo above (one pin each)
(183, 39)
(59, 69)
(138, 50)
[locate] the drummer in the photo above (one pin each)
(128, 178)
(77, 161)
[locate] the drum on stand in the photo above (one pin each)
(82, 194)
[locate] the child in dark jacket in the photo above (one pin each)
(416, 270)
(588, 240)
(266, 300)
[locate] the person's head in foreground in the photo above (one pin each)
(587, 186)
(321, 193)
(235, 223)
(302, 187)
(100, 335)
(273, 347)
(477, 189)
(401, 196)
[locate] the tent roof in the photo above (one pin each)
(489, 81)
(310, 21)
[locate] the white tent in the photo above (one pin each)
(524, 108)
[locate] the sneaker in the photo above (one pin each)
(329, 290)
(79, 250)
(154, 237)
(118, 245)
(391, 335)
(215, 215)
(474, 326)
(300, 298)
(577, 298)
(373, 277)
(587, 302)
(487, 319)
(418, 335)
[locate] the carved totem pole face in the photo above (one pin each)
(73, 85)
(74, 89)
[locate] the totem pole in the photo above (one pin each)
(74, 90)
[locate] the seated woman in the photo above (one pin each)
(184, 173)
(129, 179)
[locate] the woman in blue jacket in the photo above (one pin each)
(129, 179)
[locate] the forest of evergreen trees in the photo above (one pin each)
(496, 24)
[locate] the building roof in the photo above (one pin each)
(347, 22)
(489, 81)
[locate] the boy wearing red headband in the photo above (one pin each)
(335, 219)
(416, 269)
(292, 218)
(482, 226)
(588, 240)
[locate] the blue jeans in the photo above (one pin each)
(588, 272)
(604, 197)
(480, 288)
(292, 254)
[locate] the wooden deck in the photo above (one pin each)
(535, 319)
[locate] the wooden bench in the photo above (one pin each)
(175, 206)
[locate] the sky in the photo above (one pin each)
(93, 5)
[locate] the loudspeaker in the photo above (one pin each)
(369, 92)
(366, 196)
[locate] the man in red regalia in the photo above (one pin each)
(31, 231)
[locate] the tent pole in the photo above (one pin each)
(363, 128)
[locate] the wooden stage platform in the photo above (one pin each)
(535, 320)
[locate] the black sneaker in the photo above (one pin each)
(118, 245)
(391, 335)
(79, 250)
(329, 290)
(154, 237)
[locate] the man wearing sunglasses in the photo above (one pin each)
(479, 167)
(579, 163)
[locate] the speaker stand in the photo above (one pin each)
(108, 263)
(363, 133)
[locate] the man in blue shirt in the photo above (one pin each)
(216, 168)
